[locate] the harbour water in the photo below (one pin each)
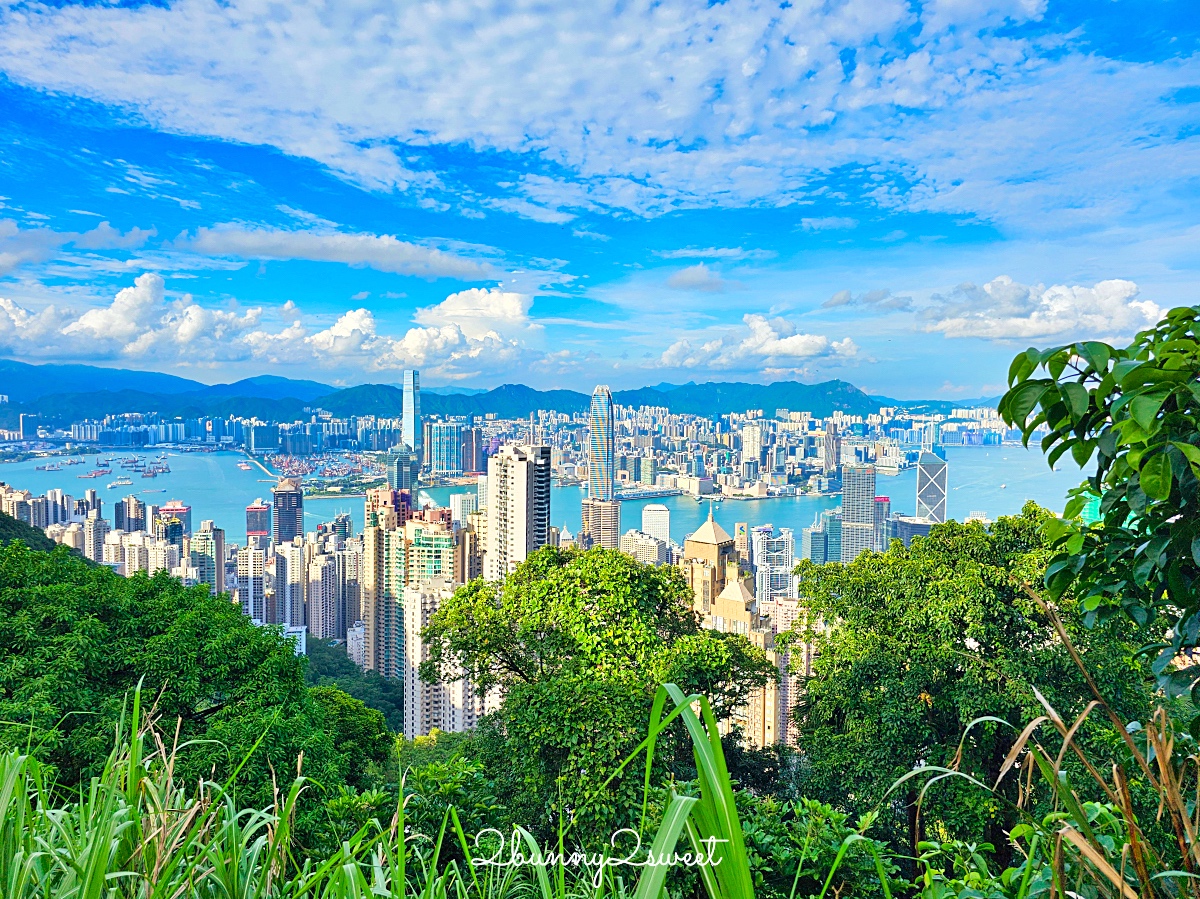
(992, 480)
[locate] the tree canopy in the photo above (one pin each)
(577, 642)
(915, 644)
(76, 639)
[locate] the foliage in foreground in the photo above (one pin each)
(579, 642)
(75, 639)
(914, 644)
(1133, 413)
(137, 830)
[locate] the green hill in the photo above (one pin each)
(11, 529)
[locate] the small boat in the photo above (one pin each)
(150, 473)
(244, 466)
(1002, 486)
(120, 482)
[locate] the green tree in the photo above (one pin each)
(578, 642)
(915, 644)
(359, 734)
(329, 666)
(1132, 412)
(76, 639)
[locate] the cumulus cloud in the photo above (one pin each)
(697, 277)
(471, 333)
(773, 343)
(873, 299)
(1004, 309)
(25, 246)
(478, 312)
(382, 252)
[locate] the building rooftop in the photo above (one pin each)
(710, 532)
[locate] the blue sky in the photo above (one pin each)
(898, 194)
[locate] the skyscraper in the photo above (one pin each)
(600, 523)
(251, 567)
(602, 470)
(403, 467)
(452, 706)
(462, 505)
(180, 510)
(446, 455)
(656, 521)
(129, 515)
(931, 487)
(207, 549)
(752, 443)
(774, 558)
(411, 431)
(291, 583)
(858, 511)
(324, 613)
(883, 512)
(288, 503)
(518, 507)
(258, 524)
(814, 543)
(831, 448)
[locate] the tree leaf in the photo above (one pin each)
(1144, 409)
(1155, 476)
(1096, 353)
(1076, 397)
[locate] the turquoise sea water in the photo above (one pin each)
(992, 480)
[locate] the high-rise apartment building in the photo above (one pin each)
(95, 530)
(291, 582)
(600, 523)
(207, 556)
(450, 706)
(383, 578)
(646, 548)
(602, 469)
(258, 524)
(431, 552)
(462, 505)
(288, 506)
(251, 591)
(774, 558)
(656, 521)
(931, 487)
(752, 443)
(411, 429)
(446, 452)
(518, 507)
(324, 613)
(858, 511)
(129, 515)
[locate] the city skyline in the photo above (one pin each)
(899, 199)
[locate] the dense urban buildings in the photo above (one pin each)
(372, 592)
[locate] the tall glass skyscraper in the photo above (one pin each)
(602, 463)
(410, 421)
(858, 511)
(931, 487)
(287, 501)
(446, 455)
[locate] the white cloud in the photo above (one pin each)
(697, 277)
(20, 247)
(773, 343)
(738, 103)
(734, 254)
(132, 311)
(828, 223)
(1004, 309)
(479, 313)
(382, 252)
(880, 298)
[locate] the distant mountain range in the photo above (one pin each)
(65, 393)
